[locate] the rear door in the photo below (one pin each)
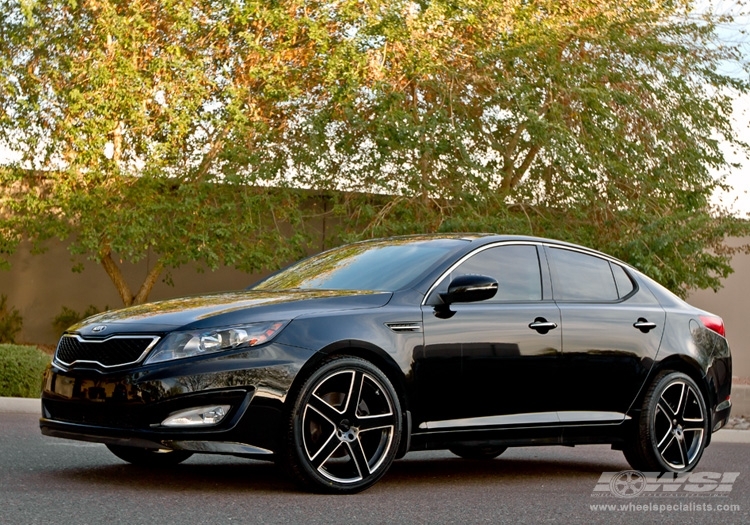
(611, 333)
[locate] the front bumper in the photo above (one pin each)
(249, 429)
(128, 407)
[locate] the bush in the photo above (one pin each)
(68, 317)
(21, 369)
(10, 322)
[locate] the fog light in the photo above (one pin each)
(201, 416)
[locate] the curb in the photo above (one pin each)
(740, 400)
(21, 405)
(731, 436)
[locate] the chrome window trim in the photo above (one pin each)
(154, 339)
(586, 252)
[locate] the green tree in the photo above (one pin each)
(143, 128)
(190, 129)
(598, 122)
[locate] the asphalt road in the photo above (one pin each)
(49, 481)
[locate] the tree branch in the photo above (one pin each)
(524, 167)
(115, 275)
(208, 159)
(148, 284)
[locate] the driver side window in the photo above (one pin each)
(515, 267)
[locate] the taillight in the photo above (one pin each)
(713, 322)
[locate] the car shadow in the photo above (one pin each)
(210, 474)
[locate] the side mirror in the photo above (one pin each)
(470, 289)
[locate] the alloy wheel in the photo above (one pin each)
(345, 428)
(679, 424)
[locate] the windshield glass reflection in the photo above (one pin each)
(385, 265)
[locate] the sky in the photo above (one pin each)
(738, 200)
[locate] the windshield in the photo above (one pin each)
(386, 265)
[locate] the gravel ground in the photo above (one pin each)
(738, 423)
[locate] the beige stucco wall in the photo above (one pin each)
(732, 303)
(39, 285)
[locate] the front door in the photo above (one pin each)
(496, 361)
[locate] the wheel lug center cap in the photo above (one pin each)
(346, 432)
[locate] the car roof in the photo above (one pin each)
(482, 238)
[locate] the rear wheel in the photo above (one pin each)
(673, 427)
(148, 457)
(477, 451)
(345, 427)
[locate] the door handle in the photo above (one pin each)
(542, 326)
(644, 325)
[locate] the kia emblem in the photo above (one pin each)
(99, 328)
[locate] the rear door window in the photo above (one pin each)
(579, 276)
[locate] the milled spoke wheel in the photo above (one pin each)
(679, 424)
(477, 451)
(673, 427)
(345, 427)
(146, 457)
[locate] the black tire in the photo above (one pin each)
(673, 428)
(477, 451)
(148, 457)
(344, 428)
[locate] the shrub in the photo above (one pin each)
(68, 317)
(21, 369)
(10, 322)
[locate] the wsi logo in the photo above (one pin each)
(633, 483)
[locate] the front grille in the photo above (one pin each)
(111, 352)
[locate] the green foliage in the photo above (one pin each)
(68, 317)
(11, 321)
(21, 369)
(594, 122)
(198, 131)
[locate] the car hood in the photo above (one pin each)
(225, 309)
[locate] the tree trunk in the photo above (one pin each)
(117, 278)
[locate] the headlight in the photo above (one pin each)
(179, 345)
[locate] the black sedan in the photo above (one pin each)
(349, 359)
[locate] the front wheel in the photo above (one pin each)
(147, 457)
(673, 427)
(345, 427)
